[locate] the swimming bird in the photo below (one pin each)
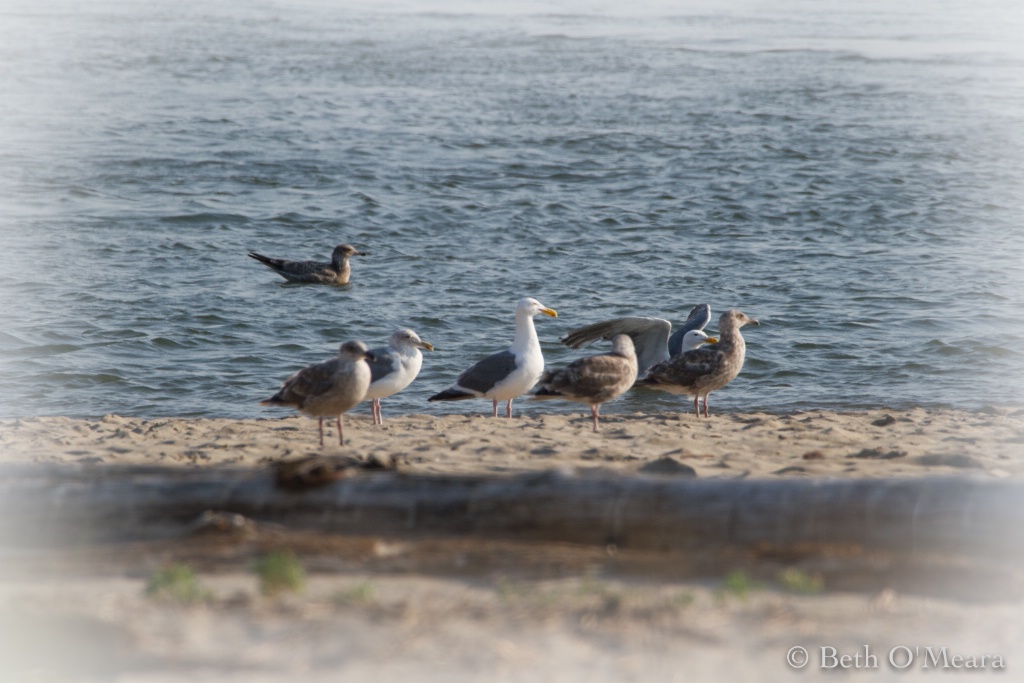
(337, 272)
(394, 367)
(329, 388)
(506, 374)
(706, 369)
(594, 379)
(650, 335)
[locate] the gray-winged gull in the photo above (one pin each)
(652, 337)
(329, 388)
(507, 374)
(594, 379)
(337, 272)
(394, 367)
(706, 369)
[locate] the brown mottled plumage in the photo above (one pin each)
(703, 370)
(329, 388)
(594, 379)
(337, 272)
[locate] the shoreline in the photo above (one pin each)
(871, 443)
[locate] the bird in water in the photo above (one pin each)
(337, 272)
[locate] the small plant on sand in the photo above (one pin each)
(177, 583)
(360, 594)
(738, 584)
(280, 572)
(683, 599)
(798, 581)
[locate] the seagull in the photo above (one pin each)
(329, 388)
(694, 339)
(706, 369)
(506, 374)
(650, 335)
(336, 272)
(394, 367)
(594, 379)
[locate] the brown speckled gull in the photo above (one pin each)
(706, 369)
(337, 272)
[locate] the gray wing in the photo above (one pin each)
(297, 271)
(649, 335)
(484, 375)
(383, 364)
(698, 319)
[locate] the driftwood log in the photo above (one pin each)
(960, 517)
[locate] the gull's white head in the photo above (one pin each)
(406, 338)
(532, 307)
(694, 339)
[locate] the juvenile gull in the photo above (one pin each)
(507, 374)
(650, 335)
(594, 379)
(337, 272)
(329, 388)
(706, 369)
(394, 367)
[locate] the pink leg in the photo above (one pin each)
(706, 406)
(341, 432)
(593, 411)
(321, 432)
(377, 419)
(495, 405)
(508, 409)
(696, 405)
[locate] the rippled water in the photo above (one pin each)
(850, 173)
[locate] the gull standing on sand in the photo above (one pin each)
(394, 367)
(650, 335)
(507, 374)
(706, 369)
(329, 388)
(594, 379)
(337, 272)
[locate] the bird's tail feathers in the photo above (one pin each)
(265, 260)
(452, 394)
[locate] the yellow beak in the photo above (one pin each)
(711, 340)
(426, 345)
(549, 311)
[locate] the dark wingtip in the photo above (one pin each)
(450, 395)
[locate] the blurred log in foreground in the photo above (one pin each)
(958, 517)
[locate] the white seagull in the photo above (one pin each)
(507, 374)
(394, 367)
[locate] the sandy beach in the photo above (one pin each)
(876, 443)
(386, 610)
